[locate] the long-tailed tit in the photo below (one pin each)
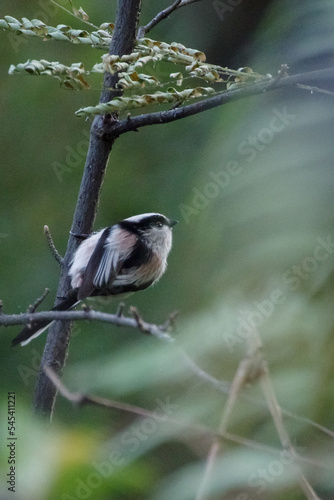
(121, 259)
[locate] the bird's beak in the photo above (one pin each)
(172, 222)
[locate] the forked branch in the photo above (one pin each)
(143, 30)
(82, 399)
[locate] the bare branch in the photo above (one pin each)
(143, 30)
(146, 327)
(38, 301)
(84, 399)
(81, 399)
(72, 14)
(253, 367)
(160, 332)
(248, 370)
(315, 90)
(284, 437)
(85, 315)
(52, 246)
(134, 123)
(159, 17)
(169, 324)
(120, 309)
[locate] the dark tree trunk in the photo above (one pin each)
(56, 347)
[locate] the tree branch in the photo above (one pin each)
(86, 314)
(56, 347)
(159, 331)
(284, 437)
(248, 370)
(246, 90)
(81, 399)
(143, 30)
(251, 368)
(73, 15)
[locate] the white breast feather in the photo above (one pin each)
(81, 258)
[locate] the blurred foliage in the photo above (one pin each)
(252, 185)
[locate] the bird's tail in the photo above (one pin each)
(37, 327)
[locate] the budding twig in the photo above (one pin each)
(32, 308)
(52, 247)
(120, 310)
(169, 324)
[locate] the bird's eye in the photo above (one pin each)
(159, 224)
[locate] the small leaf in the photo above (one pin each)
(178, 76)
(80, 13)
(137, 101)
(107, 26)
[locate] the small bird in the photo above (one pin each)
(124, 258)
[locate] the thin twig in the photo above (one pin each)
(220, 385)
(169, 324)
(248, 370)
(276, 413)
(143, 30)
(119, 319)
(120, 310)
(52, 246)
(32, 308)
(253, 366)
(315, 89)
(247, 90)
(139, 320)
(307, 421)
(82, 399)
(72, 14)
(157, 19)
(281, 73)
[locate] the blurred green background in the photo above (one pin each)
(252, 186)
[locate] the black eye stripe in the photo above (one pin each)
(154, 221)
